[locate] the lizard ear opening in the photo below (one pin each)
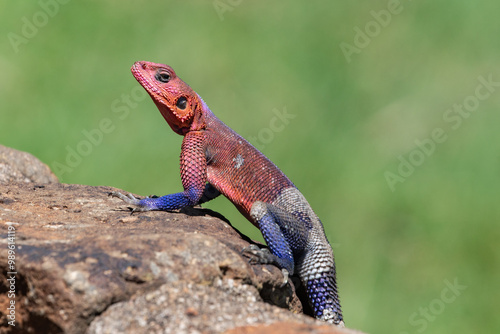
(181, 103)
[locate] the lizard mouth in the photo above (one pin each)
(141, 70)
(144, 72)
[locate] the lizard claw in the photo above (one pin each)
(285, 276)
(129, 199)
(259, 255)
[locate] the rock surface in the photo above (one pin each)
(84, 264)
(23, 167)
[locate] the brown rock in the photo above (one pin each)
(289, 327)
(17, 166)
(82, 260)
(74, 260)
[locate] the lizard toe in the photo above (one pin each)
(129, 199)
(258, 255)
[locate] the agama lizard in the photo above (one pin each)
(216, 160)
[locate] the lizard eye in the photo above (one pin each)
(182, 103)
(162, 76)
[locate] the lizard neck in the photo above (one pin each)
(202, 117)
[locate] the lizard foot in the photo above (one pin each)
(130, 199)
(259, 255)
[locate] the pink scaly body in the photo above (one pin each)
(238, 170)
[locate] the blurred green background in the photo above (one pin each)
(366, 81)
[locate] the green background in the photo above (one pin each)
(356, 116)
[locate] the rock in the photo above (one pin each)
(289, 327)
(23, 167)
(85, 264)
(192, 308)
(74, 260)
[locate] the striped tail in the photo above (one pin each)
(323, 297)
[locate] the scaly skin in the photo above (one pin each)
(216, 160)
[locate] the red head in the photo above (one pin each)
(178, 103)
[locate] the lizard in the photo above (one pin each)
(216, 160)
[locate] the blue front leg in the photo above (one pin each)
(193, 176)
(171, 202)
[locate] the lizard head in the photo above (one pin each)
(178, 103)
